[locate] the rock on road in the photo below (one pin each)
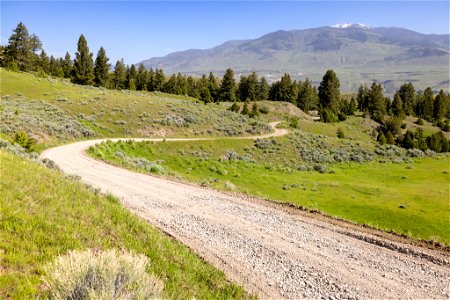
(272, 251)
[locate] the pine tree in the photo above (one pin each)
(205, 95)
(151, 80)
(245, 109)
(142, 78)
(390, 138)
(213, 87)
(407, 94)
(397, 107)
(131, 78)
(159, 80)
(263, 89)
(243, 88)
(284, 90)
(440, 106)
(307, 98)
(44, 62)
(67, 65)
(83, 66)
(377, 106)
(381, 138)
(329, 92)
(428, 104)
(254, 112)
(22, 49)
(119, 77)
(227, 90)
(192, 88)
(101, 68)
(363, 98)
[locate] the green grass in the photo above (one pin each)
(43, 215)
(371, 193)
(113, 113)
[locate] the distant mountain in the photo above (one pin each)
(357, 52)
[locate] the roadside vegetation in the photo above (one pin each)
(50, 215)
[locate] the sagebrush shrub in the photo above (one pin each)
(101, 275)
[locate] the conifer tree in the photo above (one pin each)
(101, 68)
(22, 49)
(131, 78)
(120, 75)
(213, 87)
(440, 106)
(397, 107)
(307, 98)
(428, 104)
(44, 62)
(67, 65)
(377, 106)
(159, 80)
(329, 92)
(245, 109)
(228, 87)
(142, 78)
(83, 65)
(407, 94)
(263, 89)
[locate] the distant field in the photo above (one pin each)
(408, 197)
(43, 215)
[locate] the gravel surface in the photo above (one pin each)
(271, 251)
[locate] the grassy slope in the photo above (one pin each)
(43, 215)
(370, 193)
(112, 113)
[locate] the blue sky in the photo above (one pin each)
(143, 29)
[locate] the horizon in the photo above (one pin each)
(200, 25)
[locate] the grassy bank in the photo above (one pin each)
(408, 197)
(43, 215)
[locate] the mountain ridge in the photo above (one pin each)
(358, 53)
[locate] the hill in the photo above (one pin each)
(358, 54)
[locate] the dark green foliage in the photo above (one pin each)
(205, 95)
(408, 140)
(21, 50)
(381, 138)
(227, 90)
(397, 107)
(425, 104)
(284, 90)
(348, 107)
(131, 77)
(363, 98)
(407, 94)
(420, 140)
(342, 116)
(158, 80)
(340, 133)
(376, 102)
(263, 89)
(255, 111)
(390, 138)
(213, 87)
(234, 107)
(141, 78)
(83, 66)
(440, 106)
(329, 92)
(392, 125)
(101, 68)
(307, 98)
(44, 62)
(248, 87)
(420, 122)
(245, 109)
(67, 65)
(264, 110)
(328, 116)
(294, 122)
(438, 142)
(120, 75)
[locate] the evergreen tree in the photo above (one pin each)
(227, 90)
(213, 87)
(397, 107)
(83, 66)
(181, 85)
(381, 138)
(252, 86)
(390, 138)
(408, 140)
(205, 95)
(440, 106)
(22, 49)
(131, 77)
(363, 98)
(142, 78)
(159, 80)
(377, 106)
(407, 94)
(428, 104)
(263, 89)
(151, 80)
(55, 68)
(254, 112)
(44, 62)
(284, 90)
(67, 65)
(234, 107)
(329, 92)
(192, 88)
(101, 69)
(243, 88)
(307, 98)
(119, 76)
(245, 109)
(420, 140)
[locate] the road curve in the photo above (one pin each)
(272, 251)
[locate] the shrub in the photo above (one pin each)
(327, 116)
(320, 168)
(294, 122)
(101, 275)
(381, 138)
(23, 140)
(234, 107)
(264, 110)
(342, 116)
(340, 133)
(390, 138)
(420, 122)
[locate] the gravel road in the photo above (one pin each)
(274, 251)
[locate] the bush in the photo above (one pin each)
(101, 275)
(320, 168)
(340, 133)
(294, 122)
(342, 116)
(264, 110)
(23, 140)
(420, 122)
(327, 116)
(381, 138)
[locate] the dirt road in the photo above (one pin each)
(273, 251)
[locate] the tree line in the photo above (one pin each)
(24, 52)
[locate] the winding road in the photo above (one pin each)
(272, 250)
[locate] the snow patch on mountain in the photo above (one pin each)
(350, 25)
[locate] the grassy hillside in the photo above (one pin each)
(347, 178)
(43, 215)
(55, 110)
